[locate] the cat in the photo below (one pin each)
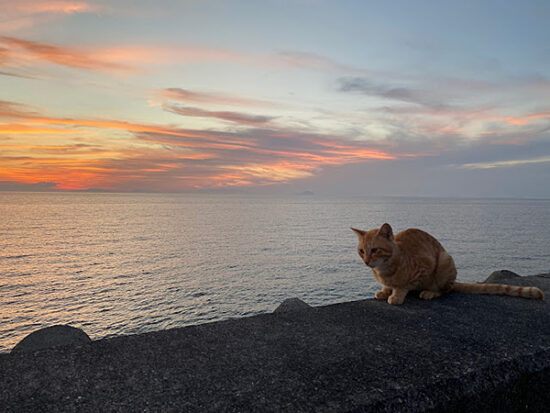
(415, 260)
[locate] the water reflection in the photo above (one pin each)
(126, 263)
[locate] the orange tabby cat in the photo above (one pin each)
(414, 260)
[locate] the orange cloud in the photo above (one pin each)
(257, 174)
(171, 54)
(15, 128)
(14, 7)
(162, 157)
(22, 51)
(20, 14)
(526, 119)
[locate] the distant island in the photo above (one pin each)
(307, 193)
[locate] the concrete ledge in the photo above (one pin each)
(455, 353)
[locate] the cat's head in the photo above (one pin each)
(376, 247)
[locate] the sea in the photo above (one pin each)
(118, 263)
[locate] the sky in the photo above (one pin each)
(338, 97)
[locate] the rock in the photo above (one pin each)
(291, 305)
(502, 275)
(59, 335)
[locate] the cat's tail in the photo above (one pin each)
(501, 289)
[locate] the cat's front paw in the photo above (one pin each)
(428, 295)
(382, 294)
(395, 300)
(397, 297)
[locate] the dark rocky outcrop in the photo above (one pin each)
(55, 336)
(501, 276)
(456, 353)
(291, 305)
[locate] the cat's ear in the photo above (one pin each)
(360, 233)
(385, 231)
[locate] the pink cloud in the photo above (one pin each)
(15, 51)
(21, 14)
(20, 50)
(13, 110)
(54, 7)
(185, 95)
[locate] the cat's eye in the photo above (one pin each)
(373, 250)
(361, 251)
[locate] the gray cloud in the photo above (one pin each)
(241, 118)
(18, 186)
(10, 74)
(311, 60)
(421, 97)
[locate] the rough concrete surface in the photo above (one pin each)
(455, 353)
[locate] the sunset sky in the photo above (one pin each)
(430, 98)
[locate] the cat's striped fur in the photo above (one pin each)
(414, 260)
(502, 289)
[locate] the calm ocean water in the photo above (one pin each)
(128, 263)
